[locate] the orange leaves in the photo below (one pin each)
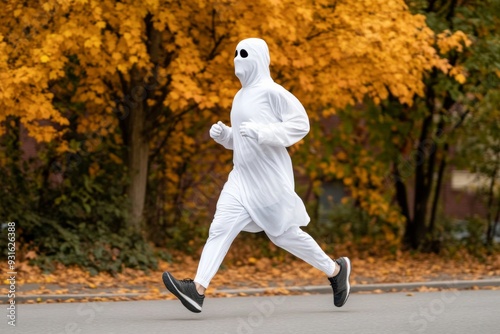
(459, 73)
(460, 78)
(306, 13)
(347, 181)
(44, 58)
(446, 41)
(456, 41)
(27, 63)
(92, 42)
(336, 57)
(375, 45)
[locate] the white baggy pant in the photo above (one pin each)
(230, 219)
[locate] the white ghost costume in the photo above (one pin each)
(259, 194)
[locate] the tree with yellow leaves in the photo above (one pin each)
(154, 74)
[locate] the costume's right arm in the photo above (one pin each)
(226, 136)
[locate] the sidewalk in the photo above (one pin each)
(256, 277)
(76, 292)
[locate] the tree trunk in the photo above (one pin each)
(448, 103)
(422, 185)
(138, 123)
(495, 223)
(490, 215)
(402, 200)
(437, 192)
(138, 152)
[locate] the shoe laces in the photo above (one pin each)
(333, 282)
(186, 280)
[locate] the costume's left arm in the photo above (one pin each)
(293, 125)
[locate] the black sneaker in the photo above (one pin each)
(340, 283)
(185, 290)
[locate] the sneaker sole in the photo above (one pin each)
(185, 300)
(348, 263)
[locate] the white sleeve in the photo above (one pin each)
(226, 139)
(293, 125)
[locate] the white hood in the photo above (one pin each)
(251, 62)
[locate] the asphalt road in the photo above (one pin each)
(468, 311)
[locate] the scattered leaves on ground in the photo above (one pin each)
(278, 275)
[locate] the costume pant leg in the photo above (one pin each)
(303, 246)
(230, 218)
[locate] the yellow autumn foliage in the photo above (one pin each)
(175, 58)
(341, 52)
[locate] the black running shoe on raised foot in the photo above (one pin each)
(340, 283)
(185, 290)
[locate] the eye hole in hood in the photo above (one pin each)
(243, 53)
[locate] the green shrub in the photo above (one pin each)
(79, 219)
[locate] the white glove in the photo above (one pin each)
(218, 130)
(249, 129)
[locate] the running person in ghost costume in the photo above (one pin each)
(259, 194)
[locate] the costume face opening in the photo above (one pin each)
(243, 53)
(251, 61)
